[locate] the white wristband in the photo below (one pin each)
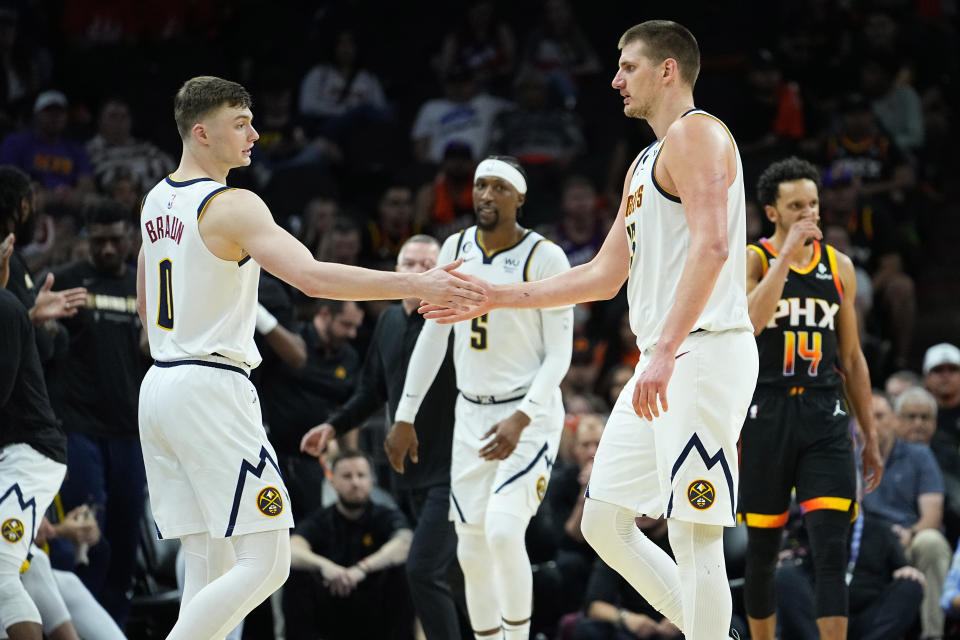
(265, 320)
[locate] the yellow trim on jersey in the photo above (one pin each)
(803, 270)
(763, 256)
(653, 173)
(526, 267)
(701, 113)
(832, 260)
(825, 502)
(168, 284)
(209, 200)
(765, 521)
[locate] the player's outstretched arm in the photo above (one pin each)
(599, 279)
(238, 221)
(856, 381)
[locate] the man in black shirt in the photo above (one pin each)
(94, 389)
(294, 400)
(424, 489)
(32, 462)
(885, 591)
(347, 579)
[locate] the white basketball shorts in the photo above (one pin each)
(210, 467)
(685, 463)
(29, 481)
(515, 485)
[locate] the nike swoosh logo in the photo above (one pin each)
(681, 354)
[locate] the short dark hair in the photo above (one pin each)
(103, 211)
(667, 39)
(200, 95)
(787, 170)
(348, 454)
(14, 187)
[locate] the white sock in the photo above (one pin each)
(478, 581)
(612, 532)
(707, 604)
(516, 631)
(513, 577)
(262, 565)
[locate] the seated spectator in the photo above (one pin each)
(558, 47)
(910, 497)
(342, 244)
(114, 149)
(445, 205)
(393, 226)
(482, 43)
(339, 94)
(900, 381)
(916, 415)
(296, 399)
(941, 377)
(317, 220)
(347, 580)
(464, 114)
(582, 228)
(60, 166)
(614, 382)
(582, 375)
(614, 610)
(885, 591)
(894, 101)
(566, 496)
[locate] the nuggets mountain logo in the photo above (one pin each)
(701, 494)
(12, 530)
(270, 502)
(541, 487)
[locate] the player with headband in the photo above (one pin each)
(509, 415)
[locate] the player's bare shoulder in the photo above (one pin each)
(230, 216)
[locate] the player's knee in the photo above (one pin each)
(505, 532)
(763, 546)
(15, 604)
(929, 545)
(596, 525)
(472, 551)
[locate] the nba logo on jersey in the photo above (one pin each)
(170, 202)
(753, 411)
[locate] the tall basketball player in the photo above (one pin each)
(678, 243)
(212, 474)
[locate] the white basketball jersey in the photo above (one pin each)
(499, 353)
(197, 304)
(659, 240)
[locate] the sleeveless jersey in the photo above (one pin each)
(798, 347)
(659, 239)
(499, 353)
(197, 304)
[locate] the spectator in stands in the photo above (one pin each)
(885, 592)
(482, 43)
(941, 377)
(445, 205)
(581, 228)
(392, 227)
(771, 115)
(463, 114)
(568, 484)
(104, 463)
(893, 100)
(910, 498)
(294, 400)
(900, 381)
(347, 559)
(317, 220)
(114, 149)
(916, 415)
(60, 166)
(340, 95)
(614, 609)
(558, 48)
(342, 244)
(582, 375)
(614, 382)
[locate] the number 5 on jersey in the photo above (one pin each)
(165, 305)
(479, 328)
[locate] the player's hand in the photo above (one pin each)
(444, 314)
(907, 572)
(652, 385)
(640, 625)
(872, 465)
(667, 629)
(316, 440)
(346, 580)
(801, 233)
(6, 250)
(506, 435)
(79, 527)
(444, 286)
(53, 305)
(45, 532)
(401, 440)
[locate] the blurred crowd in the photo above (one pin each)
(372, 137)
